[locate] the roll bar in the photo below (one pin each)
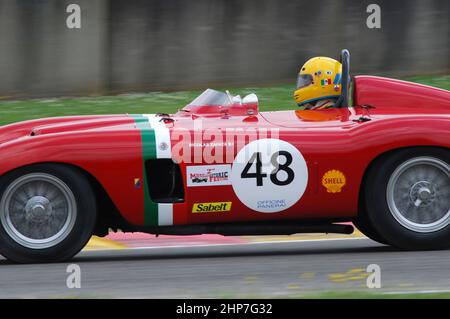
(345, 81)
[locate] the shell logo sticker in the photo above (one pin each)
(333, 181)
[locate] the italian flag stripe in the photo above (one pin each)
(154, 134)
(165, 214)
(162, 136)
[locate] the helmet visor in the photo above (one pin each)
(304, 80)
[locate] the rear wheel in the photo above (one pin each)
(363, 224)
(47, 213)
(408, 198)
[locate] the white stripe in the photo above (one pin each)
(162, 136)
(165, 214)
(411, 292)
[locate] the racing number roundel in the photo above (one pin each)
(269, 175)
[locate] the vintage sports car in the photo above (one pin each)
(382, 162)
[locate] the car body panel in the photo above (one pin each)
(113, 149)
(391, 96)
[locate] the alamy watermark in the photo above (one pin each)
(74, 278)
(374, 19)
(213, 145)
(73, 20)
(374, 278)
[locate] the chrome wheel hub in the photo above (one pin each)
(422, 193)
(418, 194)
(38, 210)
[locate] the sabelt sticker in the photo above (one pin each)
(208, 175)
(269, 175)
(333, 181)
(211, 207)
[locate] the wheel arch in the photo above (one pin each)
(380, 157)
(108, 215)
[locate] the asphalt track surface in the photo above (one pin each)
(269, 269)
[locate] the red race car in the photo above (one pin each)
(220, 166)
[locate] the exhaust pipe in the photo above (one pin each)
(250, 229)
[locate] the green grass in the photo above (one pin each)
(442, 81)
(345, 294)
(270, 98)
(375, 295)
(320, 295)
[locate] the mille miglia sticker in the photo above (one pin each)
(208, 175)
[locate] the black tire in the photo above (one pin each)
(382, 218)
(82, 221)
(363, 224)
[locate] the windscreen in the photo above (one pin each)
(212, 97)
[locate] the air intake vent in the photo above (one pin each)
(165, 182)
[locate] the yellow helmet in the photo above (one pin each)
(318, 79)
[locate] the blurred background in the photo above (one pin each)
(149, 56)
(169, 45)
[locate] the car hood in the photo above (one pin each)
(64, 125)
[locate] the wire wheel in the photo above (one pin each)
(418, 194)
(38, 210)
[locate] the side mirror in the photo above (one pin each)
(250, 99)
(236, 99)
(250, 102)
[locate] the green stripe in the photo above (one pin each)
(148, 152)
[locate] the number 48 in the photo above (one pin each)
(259, 175)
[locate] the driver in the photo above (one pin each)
(318, 84)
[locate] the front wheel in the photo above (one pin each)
(47, 213)
(408, 198)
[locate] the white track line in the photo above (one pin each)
(410, 292)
